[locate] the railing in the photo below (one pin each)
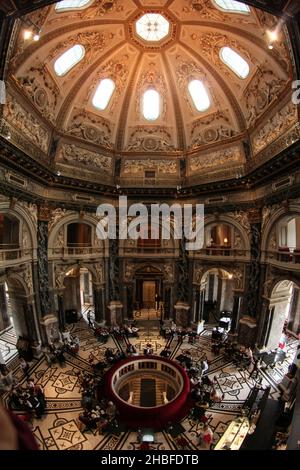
(16, 253)
(77, 251)
(285, 256)
(149, 250)
(223, 251)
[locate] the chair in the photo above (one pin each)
(296, 256)
(284, 254)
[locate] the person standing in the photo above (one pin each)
(89, 318)
(206, 437)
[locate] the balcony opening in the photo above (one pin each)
(9, 232)
(79, 235)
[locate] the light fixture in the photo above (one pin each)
(271, 46)
(31, 30)
(230, 276)
(58, 173)
(27, 34)
(225, 240)
(273, 35)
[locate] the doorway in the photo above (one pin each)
(78, 294)
(149, 293)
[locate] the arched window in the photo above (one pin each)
(72, 5)
(232, 6)
(151, 105)
(68, 60)
(199, 95)
(235, 62)
(79, 235)
(103, 93)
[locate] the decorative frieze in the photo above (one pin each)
(72, 154)
(25, 123)
(162, 167)
(275, 127)
(218, 158)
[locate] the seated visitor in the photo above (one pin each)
(111, 410)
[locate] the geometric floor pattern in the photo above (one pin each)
(57, 429)
(8, 341)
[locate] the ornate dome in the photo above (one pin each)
(136, 90)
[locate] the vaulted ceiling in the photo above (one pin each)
(57, 117)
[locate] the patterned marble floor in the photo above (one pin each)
(57, 430)
(8, 341)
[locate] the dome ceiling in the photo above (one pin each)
(169, 47)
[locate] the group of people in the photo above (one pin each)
(29, 397)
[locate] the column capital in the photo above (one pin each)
(254, 216)
(44, 213)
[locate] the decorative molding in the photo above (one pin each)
(72, 154)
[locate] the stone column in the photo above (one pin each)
(61, 310)
(98, 292)
(182, 314)
(42, 255)
(255, 281)
(264, 323)
(294, 319)
(115, 308)
(247, 332)
(219, 295)
(4, 317)
(32, 328)
(49, 319)
(211, 286)
(235, 312)
(195, 304)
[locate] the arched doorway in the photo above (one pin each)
(284, 318)
(218, 293)
(78, 293)
(17, 320)
(148, 292)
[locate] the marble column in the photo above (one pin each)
(219, 294)
(211, 286)
(42, 255)
(4, 317)
(98, 292)
(264, 323)
(61, 311)
(255, 281)
(235, 312)
(195, 303)
(294, 317)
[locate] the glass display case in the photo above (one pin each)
(234, 435)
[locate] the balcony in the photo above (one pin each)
(76, 251)
(222, 252)
(285, 257)
(12, 256)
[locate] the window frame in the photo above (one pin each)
(143, 105)
(110, 97)
(71, 66)
(72, 8)
(229, 10)
(231, 67)
(202, 110)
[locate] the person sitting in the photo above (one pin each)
(148, 350)
(131, 350)
(111, 410)
(215, 396)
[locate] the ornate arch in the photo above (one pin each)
(273, 217)
(226, 219)
(73, 218)
(25, 216)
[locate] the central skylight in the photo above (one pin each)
(152, 27)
